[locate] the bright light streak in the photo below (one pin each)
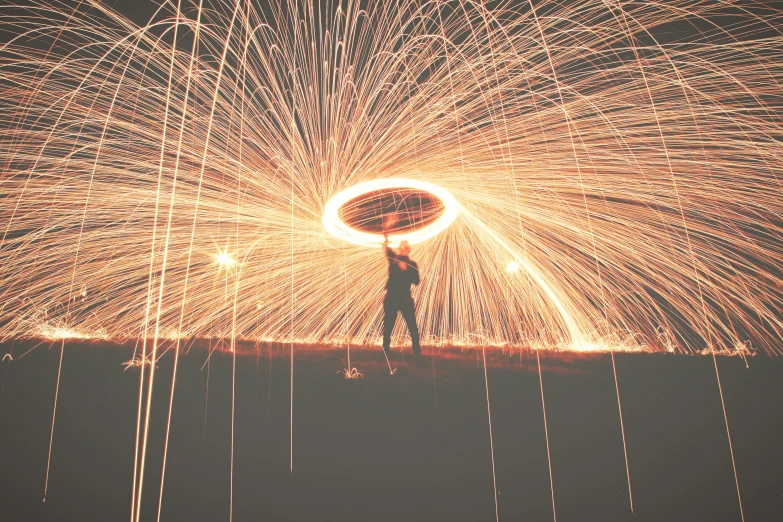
(336, 227)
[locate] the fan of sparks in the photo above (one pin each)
(616, 166)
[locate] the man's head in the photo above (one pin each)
(404, 249)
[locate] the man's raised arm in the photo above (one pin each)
(390, 255)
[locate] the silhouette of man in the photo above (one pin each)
(403, 272)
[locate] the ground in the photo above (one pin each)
(411, 446)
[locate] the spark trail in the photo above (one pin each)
(491, 442)
(622, 432)
(546, 435)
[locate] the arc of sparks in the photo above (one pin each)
(336, 227)
(578, 341)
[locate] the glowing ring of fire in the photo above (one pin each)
(338, 228)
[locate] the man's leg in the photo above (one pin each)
(389, 318)
(409, 314)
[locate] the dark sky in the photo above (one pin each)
(382, 448)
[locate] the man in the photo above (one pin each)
(402, 274)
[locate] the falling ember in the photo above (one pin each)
(137, 362)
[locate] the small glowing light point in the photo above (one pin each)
(338, 228)
(512, 267)
(224, 259)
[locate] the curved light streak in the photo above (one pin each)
(558, 301)
(338, 228)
